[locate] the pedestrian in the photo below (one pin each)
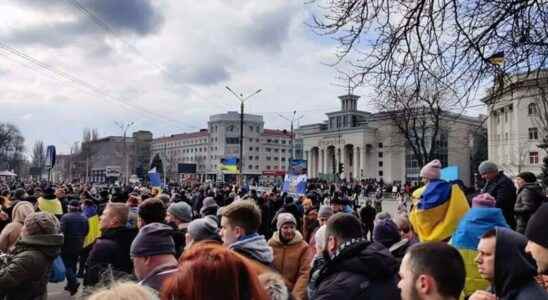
(209, 207)
(212, 272)
(153, 255)
(530, 196)
(503, 262)
(89, 210)
(318, 262)
(49, 203)
(27, 272)
(432, 270)
(357, 269)
(152, 210)
(178, 216)
(74, 227)
(12, 231)
(324, 214)
(501, 188)
(367, 217)
(292, 255)
(203, 230)
(537, 245)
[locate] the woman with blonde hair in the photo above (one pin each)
(124, 291)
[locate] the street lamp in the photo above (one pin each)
(292, 121)
(242, 100)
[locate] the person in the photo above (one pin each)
(405, 229)
(240, 222)
(178, 216)
(501, 188)
(26, 274)
(379, 194)
(310, 224)
(275, 286)
(503, 262)
(124, 290)
(324, 214)
(318, 262)
(89, 210)
(151, 210)
(209, 207)
(110, 253)
(357, 269)
(386, 233)
(367, 216)
(537, 245)
(292, 255)
(482, 217)
(202, 230)
(153, 255)
(210, 272)
(49, 203)
(12, 231)
(530, 197)
(432, 270)
(74, 227)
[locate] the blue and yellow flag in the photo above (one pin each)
(229, 165)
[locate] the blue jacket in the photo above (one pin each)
(74, 227)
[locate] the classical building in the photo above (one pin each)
(265, 151)
(358, 145)
(518, 122)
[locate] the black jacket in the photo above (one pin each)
(514, 270)
(362, 270)
(74, 227)
(503, 190)
(110, 254)
(529, 199)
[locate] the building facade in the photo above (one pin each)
(517, 122)
(353, 144)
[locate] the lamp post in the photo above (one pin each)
(242, 100)
(292, 121)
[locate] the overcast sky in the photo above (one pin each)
(161, 64)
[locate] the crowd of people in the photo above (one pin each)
(207, 241)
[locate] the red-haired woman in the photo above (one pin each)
(210, 271)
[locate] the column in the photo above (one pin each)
(337, 160)
(308, 164)
(322, 161)
(364, 161)
(355, 163)
(344, 162)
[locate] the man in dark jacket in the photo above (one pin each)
(501, 187)
(358, 269)
(537, 245)
(26, 275)
(74, 227)
(530, 197)
(503, 262)
(109, 258)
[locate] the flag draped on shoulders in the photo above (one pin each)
(438, 210)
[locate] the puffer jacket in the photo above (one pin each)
(529, 198)
(11, 232)
(293, 261)
(26, 276)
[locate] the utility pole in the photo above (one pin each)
(242, 100)
(292, 120)
(124, 128)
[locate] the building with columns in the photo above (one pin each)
(354, 144)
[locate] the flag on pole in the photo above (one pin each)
(154, 178)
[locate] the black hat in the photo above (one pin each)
(536, 228)
(527, 177)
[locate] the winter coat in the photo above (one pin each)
(11, 232)
(155, 279)
(254, 247)
(503, 190)
(360, 270)
(514, 270)
(317, 264)
(52, 206)
(529, 198)
(292, 260)
(110, 253)
(74, 227)
(26, 276)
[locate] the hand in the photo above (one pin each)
(482, 295)
(4, 216)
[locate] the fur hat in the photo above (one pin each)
(39, 223)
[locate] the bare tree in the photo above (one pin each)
(12, 149)
(451, 40)
(87, 151)
(39, 155)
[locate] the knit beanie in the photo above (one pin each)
(285, 218)
(74, 205)
(153, 239)
(386, 232)
(536, 228)
(528, 177)
(181, 210)
(483, 200)
(203, 229)
(325, 211)
(487, 166)
(431, 170)
(41, 223)
(209, 205)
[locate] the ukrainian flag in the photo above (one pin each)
(229, 166)
(466, 238)
(94, 231)
(438, 210)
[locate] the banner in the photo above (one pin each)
(297, 167)
(154, 178)
(450, 173)
(229, 165)
(295, 184)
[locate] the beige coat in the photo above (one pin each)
(11, 232)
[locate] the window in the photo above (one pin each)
(380, 154)
(268, 140)
(505, 116)
(283, 150)
(532, 109)
(251, 158)
(251, 140)
(250, 148)
(276, 150)
(268, 167)
(283, 142)
(283, 158)
(275, 158)
(250, 128)
(268, 158)
(257, 140)
(380, 173)
(380, 164)
(380, 145)
(275, 167)
(256, 167)
(250, 167)
(533, 158)
(257, 149)
(267, 149)
(506, 136)
(232, 140)
(338, 122)
(256, 158)
(533, 133)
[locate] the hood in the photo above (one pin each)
(370, 259)
(49, 244)
(476, 222)
(534, 187)
(21, 210)
(254, 247)
(513, 267)
(275, 240)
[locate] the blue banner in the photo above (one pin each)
(297, 167)
(450, 173)
(154, 178)
(295, 184)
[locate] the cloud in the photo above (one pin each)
(200, 73)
